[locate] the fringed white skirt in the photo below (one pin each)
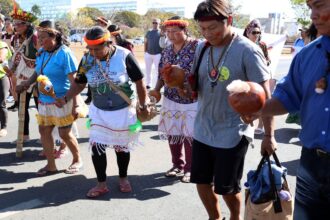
(110, 129)
(177, 120)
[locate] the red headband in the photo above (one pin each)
(180, 23)
(104, 38)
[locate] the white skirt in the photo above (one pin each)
(111, 129)
(177, 120)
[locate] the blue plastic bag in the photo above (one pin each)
(259, 181)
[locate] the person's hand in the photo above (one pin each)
(144, 113)
(23, 86)
(268, 145)
(155, 94)
(60, 102)
(248, 119)
(8, 71)
(185, 92)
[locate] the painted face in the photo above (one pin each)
(254, 34)
(175, 34)
(98, 51)
(46, 41)
(320, 15)
(8, 26)
(214, 31)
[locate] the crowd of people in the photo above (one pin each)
(207, 139)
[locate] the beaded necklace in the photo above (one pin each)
(102, 89)
(177, 54)
(214, 74)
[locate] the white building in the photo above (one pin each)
(54, 9)
(50, 9)
(117, 5)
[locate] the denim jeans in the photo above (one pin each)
(312, 200)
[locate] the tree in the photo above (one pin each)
(131, 19)
(6, 7)
(193, 29)
(35, 9)
(302, 12)
(88, 12)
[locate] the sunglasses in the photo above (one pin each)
(154, 22)
(255, 32)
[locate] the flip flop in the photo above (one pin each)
(45, 172)
(97, 192)
(186, 178)
(125, 187)
(74, 168)
(173, 172)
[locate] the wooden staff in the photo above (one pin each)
(21, 120)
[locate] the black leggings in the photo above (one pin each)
(100, 163)
(4, 88)
(27, 116)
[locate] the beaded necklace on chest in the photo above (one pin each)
(101, 89)
(214, 74)
(177, 54)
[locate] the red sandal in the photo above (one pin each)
(97, 192)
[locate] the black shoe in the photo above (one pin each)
(148, 87)
(88, 100)
(13, 108)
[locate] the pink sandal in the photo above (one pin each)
(125, 187)
(97, 192)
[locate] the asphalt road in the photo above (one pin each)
(23, 195)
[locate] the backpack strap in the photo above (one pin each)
(194, 85)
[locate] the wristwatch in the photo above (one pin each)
(143, 107)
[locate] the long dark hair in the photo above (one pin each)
(60, 38)
(29, 30)
(95, 32)
(120, 39)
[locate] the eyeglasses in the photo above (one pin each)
(255, 32)
(154, 22)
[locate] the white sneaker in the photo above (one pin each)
(10, 99)
(3, 132)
